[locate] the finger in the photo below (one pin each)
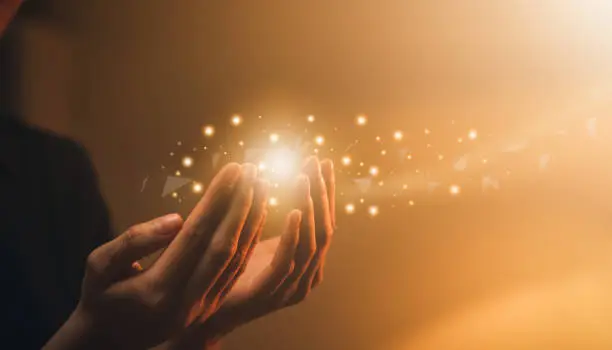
(307, 244)
(250, 229)
(282, 264)
(107, 263)
(322, 225)
(177, 263)
(247, 258)
(329, 178)
(225, 240)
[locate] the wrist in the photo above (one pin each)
(78, 332)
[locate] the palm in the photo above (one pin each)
(262, 256)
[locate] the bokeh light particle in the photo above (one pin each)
(197, 187)
(361, 120)
(473, 134)
(273, 201)
(236, 120)
(319, 140)
(346, 160)
(310, 118)
(374, 171)
(373, 210)
(187, 162)
(209, 130)
(398, 135)
(350, 208)
(274, 138)
(454, 190)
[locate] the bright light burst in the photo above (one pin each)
(310, 118)
(398, 135)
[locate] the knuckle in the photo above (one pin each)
(95, 263)
(222, 251)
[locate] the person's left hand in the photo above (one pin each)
(282, 271)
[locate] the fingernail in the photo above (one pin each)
(296, 219)
(169, 222)
(313, 165)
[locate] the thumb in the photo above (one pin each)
(110, 261)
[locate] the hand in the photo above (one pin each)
(282, 271)
(122, 309)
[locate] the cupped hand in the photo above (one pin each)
(121, 309)
(282, 271)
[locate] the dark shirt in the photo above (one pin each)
(52, 216)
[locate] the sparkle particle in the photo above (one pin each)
(208, 130)
(374, 171)
(346, 160)
(454, 190)
(373, 210)
(197, 187)
(349, 208)
(361, 120)
(187, 162)
(398, 135)
(236, 120)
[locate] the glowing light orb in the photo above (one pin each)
(346, 160)
(187, 162)
(411, 203)
(409, 156)
(197, 187)
(472, 134)
(282, 164)
(310, 118)
(273, 201)
(174, 195)
(236, 120)
(427, 131)
(398, 135)
(373, 210)
(440, 157)
(208, 130)
(241, 143)
(274, 138)
(361, 120)
(374, 171)
(460, 140)
(349, 208)
(383, 152)
(454, 190)
(177, 173)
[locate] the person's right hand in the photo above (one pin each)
(120, 309)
